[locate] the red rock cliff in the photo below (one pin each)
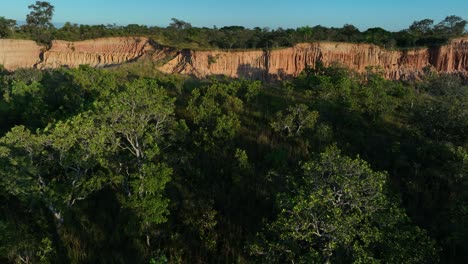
(275, 64)
(96, 53)
(451, 58)
(16, 53)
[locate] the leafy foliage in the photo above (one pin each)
(338, 212)
(6, 26)
(182, 34)
(127, 165)
(40, 15)
(295, 120)
(39, 21)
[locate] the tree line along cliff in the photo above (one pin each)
(182, 34)
(252, 64)
(280, 53)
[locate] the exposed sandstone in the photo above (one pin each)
(281, 63)
(16, 53)
(256, 64)
(451, 58)
(96, 53)
(205, 63)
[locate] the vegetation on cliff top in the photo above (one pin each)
(181, 34)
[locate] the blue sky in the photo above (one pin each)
(391, 15)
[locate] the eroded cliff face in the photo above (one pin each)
(264, 65)
(16, 53)
(283, 63)
(96, 53)
(205, 63)
(394, 64)
(451, 58)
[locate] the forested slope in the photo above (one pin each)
(126, 165)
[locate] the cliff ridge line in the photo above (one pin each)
(256, 64)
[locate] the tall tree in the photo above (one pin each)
(179, 24)
(422, 27)
(453, 26)
(118, 147)
(6, 26)
(38, 21)
(294, 120)
(40, 15)
(339, 212)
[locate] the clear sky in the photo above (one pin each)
(391, 15)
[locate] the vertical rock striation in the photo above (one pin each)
(451, 58)
(255, 64)
(16, 53)
(282, 63)
(96, 53)
(204, 63)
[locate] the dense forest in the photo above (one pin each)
(128, 165)
(125, 165)
(182, 34)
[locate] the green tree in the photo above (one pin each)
(214, 110)
(422, 28)
(338, 211)
(69, 32)
(441, 119)
(140, 118)
(294, 120)
(451, 26)
(116, 146)
(441, 114)
(306, 33)
(379, 36)
(179, 24)
(40, 16)
(38, 21)
(351, 33)
(25, 103)
(6, 26)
